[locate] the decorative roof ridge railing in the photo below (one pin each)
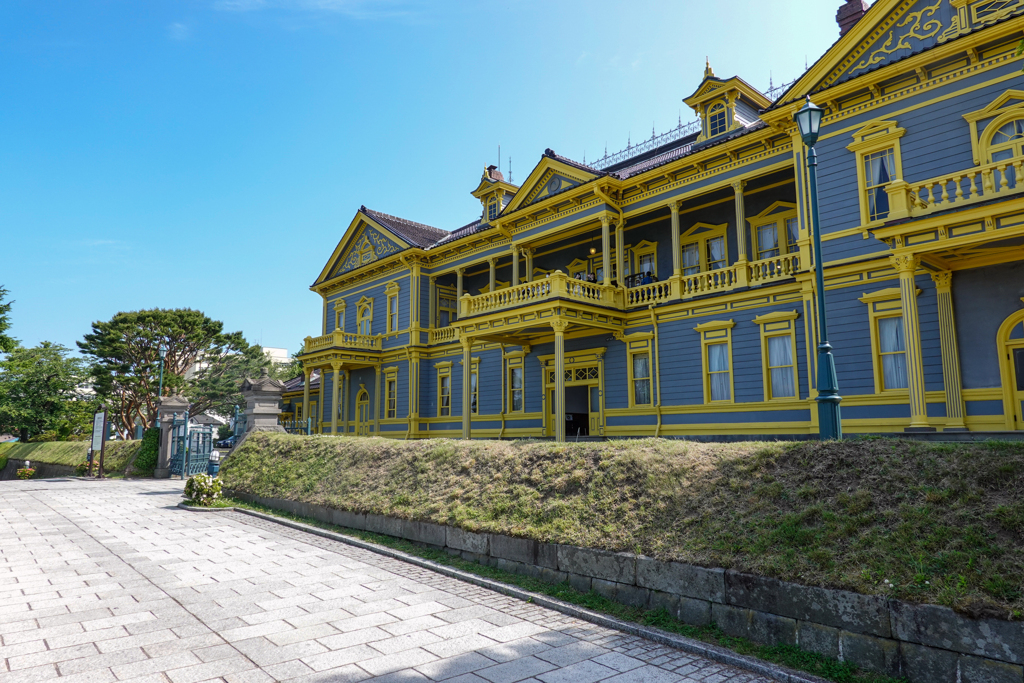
(774, 92)
(655, 141)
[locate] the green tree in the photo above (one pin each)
(203, 363)
(39, 391)
(7, 343)
(293, 368)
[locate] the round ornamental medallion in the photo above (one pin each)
(554, 185)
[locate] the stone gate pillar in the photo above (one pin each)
(262, 403)
(169, 405)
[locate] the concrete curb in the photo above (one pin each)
(696, 647)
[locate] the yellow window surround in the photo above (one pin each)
(339, 315)
(695, 244)
(884, 303)
(391, 290)
(516, 364)
(876, 138)
(645, 254)
(985, 123)
(364, 316)
(782, 216)
(444, 389)
(638, 365)
(775, 325)
(716, 361)
(391, 392)
(448, 303)
(474, 386)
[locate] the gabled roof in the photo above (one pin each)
(552, 175)
(414, 233)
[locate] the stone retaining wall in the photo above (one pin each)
(924, 643)
(44, 470)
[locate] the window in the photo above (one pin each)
(717, 122)
(515, 389)
(877, 148)
(888, 341)
(646, 255)
(444, 389)
(997, 130)
(778, 352)
(392, 306)
(447, 306)
(474, 394)
(704, 248)
(492, 210)
(641, 379)
(776, 231)
(716, 358)
(392, 397)
(339, 315)
(792, 234)
(1007, 141)
(364, 316)
(767, 240)
(365, 252)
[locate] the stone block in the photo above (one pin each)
(466, 540)
(474, 557)
(509, 565)
(682, 579)
(622, 593)
(760, 627)
(981, 670)
(510, 548)
(822, 640)
(923, 664)
(579, 582)
(381, 524)
(320, 513)
(424, 532)
(547, 555)
(552, 576)
(349, 520)
(840, 609)
(880, 655)
(694, 612)
(941, 627)
(598, 564)
(661, 600)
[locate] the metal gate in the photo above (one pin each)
(190, 448)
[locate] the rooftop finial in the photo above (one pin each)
(707, 68)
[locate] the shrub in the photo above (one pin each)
(26, 473)
(149, 451)
(82, 468)
(202, 490)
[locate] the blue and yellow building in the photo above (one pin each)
(670, 291)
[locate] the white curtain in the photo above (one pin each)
(691, 259)
(641, 379)
(768, 240)
(718, 366)
(780, 361)
(879, 174)
(893, 348)
(716, 253)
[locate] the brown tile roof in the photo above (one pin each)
(416, 234)
(467, 229)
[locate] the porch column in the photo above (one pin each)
(515, 265)
(950, 353)
(306, 372)
(906, 265)
(344, 404)
(335, 377)
(742, 278)
(620, 243)
(433, 298)
(467, 370)
(606, 250)
(529, 264)
(494, 282)
(458, 284)
(677, 254)
(376, 400)
(559, 327)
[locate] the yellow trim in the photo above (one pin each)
(778, 324)
(885, 303)
(392, 309)
(1011, 400)
(877, 136)
(692, 236)
(1000, 115)
(643, 249)
(444, 370)
(637, 348)
(712, 333)
(364, 314)
(390, 381)
(780, 218)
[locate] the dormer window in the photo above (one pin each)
(492, 210)
(717, 120)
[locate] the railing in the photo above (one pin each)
(907, 200)
(557, 285)
(718, 280)
(339, 338)
(651, 293)
(444, 335)
(774, 268)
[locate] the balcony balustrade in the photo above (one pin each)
(954, 190)
(556, 286)
(337, 338)
(444, 335)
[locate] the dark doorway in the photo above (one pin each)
(577, 412)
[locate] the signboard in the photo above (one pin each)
(97, 431)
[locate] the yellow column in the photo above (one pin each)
(494, 281)
(433, 298)
(306, 372)
(458, 283)
(559, 327)
(376, 400)
(515, 265)
(467, 370)
(620, 245)
(529, 264)
(344, 404)
(334, 397)
(950, 353)
(677, 255)
(742, 277)
(606, 250)
(906, 265)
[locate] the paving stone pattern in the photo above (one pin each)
(109, 581)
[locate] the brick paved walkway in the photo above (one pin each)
(109, 581)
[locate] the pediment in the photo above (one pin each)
(364, 242)
(548, 178)
(1011, 99)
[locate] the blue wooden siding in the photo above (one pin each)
(982, 299)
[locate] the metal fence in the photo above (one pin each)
(298, 426)
(190, 447)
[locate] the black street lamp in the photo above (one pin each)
(162, 350)
(830, 424)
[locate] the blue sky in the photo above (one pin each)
(210, 153)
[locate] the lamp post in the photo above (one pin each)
(162, 350)
(830, 424)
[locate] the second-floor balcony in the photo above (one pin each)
(343, 340)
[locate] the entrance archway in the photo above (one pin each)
(362, 412)
(1010, 344)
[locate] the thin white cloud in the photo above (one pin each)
(178, 31)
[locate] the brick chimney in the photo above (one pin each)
(849, 14)
(494, 173)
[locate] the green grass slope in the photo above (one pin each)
(116, 456)
(942, 523)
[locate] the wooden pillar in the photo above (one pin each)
(559, 327)
(742, 275)
(906, 265)
(344, 403)
(620, 246)
(515, 265)
(458, 283)
(335, 381)
(950, 353)
(433, 302)
(376, 400)
(677, 255)
(306, 372)
(529, 264)
(494, 281)
(467, 370)
(606, 250)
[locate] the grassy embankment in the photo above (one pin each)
(942, 523)
(117, 454)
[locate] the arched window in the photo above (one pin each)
(1008, 141)
(364, 318)
(717, 123)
